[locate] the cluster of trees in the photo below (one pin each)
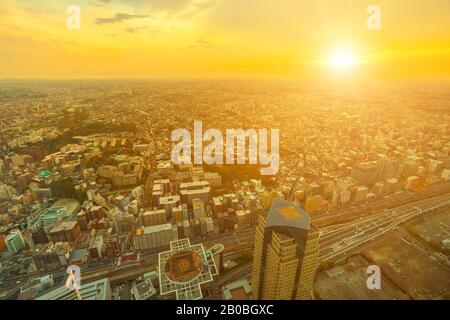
(65, 188)
(76, 125)
(231, 173)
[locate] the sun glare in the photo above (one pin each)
(342, 59)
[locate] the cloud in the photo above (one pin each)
(162, 4)
(119, 17)
(143, 30)
(201, 43)
(100, 3)
(174, 8)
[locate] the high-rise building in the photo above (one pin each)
(378, 188)
(177, 214)
(381, 163)
(345, 196)
(124, 222)
(412, 183)
(286, 254)
(155, 236)
(97, 290)
(45, 258)
(364, 173)
(133, 207)
(14, 241)
(390, 169)
(64, 231)
(391, 186)
(195, 190)
(214, 179)
(154, 217)
(445, 174)
(313, 203)
(198, 208)
(361, 193)
(410, 168)
(168, 203)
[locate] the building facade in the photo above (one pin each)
(286, 254)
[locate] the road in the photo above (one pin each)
(337, 242)
(347, 213)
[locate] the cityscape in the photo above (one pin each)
(100, 200)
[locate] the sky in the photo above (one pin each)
(224, 38)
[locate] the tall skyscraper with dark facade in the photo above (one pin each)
(286, 254)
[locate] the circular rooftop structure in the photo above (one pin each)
(183, 266)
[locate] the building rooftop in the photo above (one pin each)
(183, 266)
(194, 185)
(239, 290)
(97, 290)
(64, 225)
(143, 290)
(169, 200)
(45, 174)
(78, 254)
(51, 215)
(151, 229)
(184, 269)
(287, 214)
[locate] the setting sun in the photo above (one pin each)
(342, 59)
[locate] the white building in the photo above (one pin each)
(155, 236)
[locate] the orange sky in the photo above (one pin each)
(222, 38)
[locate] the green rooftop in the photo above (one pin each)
(52, 215)
(45, 174)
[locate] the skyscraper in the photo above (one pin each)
(14, 241)
(286, 254)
